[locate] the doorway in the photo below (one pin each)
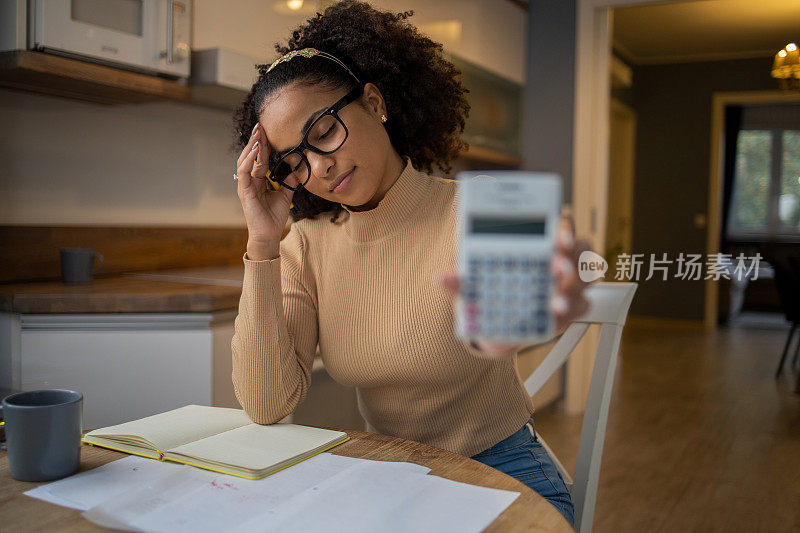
(621, 154)
(597, 23)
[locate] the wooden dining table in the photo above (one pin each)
(528, 512)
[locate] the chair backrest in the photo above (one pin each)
(608, 306)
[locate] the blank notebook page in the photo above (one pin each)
(179, 426)
(257, 447)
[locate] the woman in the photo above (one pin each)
(351, 119)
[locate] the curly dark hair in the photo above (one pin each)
(426, 102)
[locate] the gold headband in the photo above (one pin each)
(309, 52)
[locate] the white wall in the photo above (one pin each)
(68, 162)
(245, 26)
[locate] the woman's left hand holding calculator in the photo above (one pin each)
(567, 304)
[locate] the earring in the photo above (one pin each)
(383, 118)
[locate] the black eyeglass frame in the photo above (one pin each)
(299, 149)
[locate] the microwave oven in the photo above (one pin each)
(151, 36)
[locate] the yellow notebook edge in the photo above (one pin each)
(243, 476)
(159, 458)
(162, 457)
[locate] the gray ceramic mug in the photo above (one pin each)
(77, 265)
(43, 433)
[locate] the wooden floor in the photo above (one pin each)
(701, 437)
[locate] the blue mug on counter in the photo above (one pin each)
(77, 265)
(43, 433)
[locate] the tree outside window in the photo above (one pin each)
(766, 188)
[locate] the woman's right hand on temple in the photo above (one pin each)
(265, 210)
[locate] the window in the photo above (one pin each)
(765, 201)
(789, 194)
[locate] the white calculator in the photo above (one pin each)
(507, 224)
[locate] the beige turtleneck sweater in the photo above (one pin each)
(364, 289)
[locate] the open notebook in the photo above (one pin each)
(217, 438)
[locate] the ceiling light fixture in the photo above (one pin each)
(786, 67)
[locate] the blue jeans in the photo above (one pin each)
(523, 457)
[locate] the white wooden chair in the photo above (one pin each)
(608, 306)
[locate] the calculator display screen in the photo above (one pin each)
(516, 226)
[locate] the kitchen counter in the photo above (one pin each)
(165, 291)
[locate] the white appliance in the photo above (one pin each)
(222, 77)
(150, 36)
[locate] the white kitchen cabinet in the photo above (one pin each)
(491, 34)
(127, 366)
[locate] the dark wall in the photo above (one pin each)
(673, 138)
(549, 98)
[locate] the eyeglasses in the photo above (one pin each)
(324, 136)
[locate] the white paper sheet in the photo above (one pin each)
(198, 501)
(42, 493)
(364, 499)
(92, 487)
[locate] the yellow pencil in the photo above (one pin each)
(276, 186)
